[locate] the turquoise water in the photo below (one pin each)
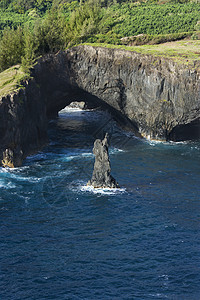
(62, 240)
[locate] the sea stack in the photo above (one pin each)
(101, 177)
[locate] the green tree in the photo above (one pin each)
(21, 6)
(11, 47)
(4, 4)
(51, 33)
(43, 5)
(85, 21)
(31, 45)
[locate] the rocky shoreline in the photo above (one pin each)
(155, 97)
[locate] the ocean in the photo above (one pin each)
(61, 239)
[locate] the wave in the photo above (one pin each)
(167, 143)
(41, 156)
(17, 177)
(115, 150)
(7, 185)
(12, 171)
(15, 174)
(87, 154)
(103, 191)
(70, 109)
(160, 296)
(80, 186)
(38, 156)
(69, 158)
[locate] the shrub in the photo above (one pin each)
(11, 47)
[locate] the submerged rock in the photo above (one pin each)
(101, 177)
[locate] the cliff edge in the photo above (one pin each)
(155, 96)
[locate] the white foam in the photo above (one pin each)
(7, 185)
(23, 178)
(158, 295)
(177, 143)
(68, 109)
(105, 191)
(87, 155)
(14, 174)
(69, 158)
(115, 150)
(1, 184)
(13, 170)
(168, 143)
(66, 172)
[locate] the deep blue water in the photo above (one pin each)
(60, 240)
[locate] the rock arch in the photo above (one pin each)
(154, 96)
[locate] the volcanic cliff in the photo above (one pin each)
(154, 96)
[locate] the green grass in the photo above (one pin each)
(11, 80)
(185, 51)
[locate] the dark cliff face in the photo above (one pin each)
(23, 124)
(155, 96)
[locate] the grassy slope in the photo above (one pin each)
(10, 80)
(184, 51)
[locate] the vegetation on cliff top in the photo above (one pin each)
(186, 52)
(30, 28)
(11, 79)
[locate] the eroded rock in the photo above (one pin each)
(101, 177)
(23, 124)
(12, 158)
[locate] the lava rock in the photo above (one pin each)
(8, 158)
(101, 177)
(12, 158)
